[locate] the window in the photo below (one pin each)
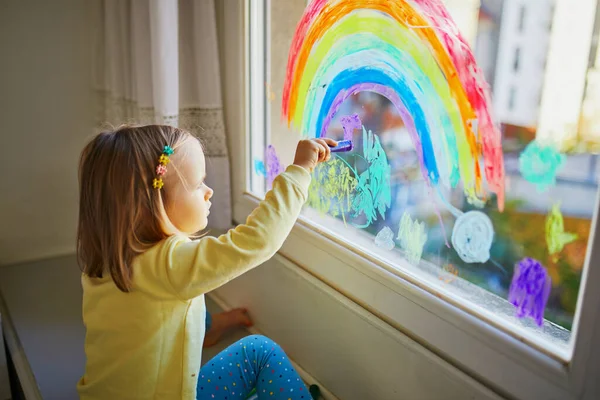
(404, 236)
(511, 98)
(516, 59)
(522, 19)
(519, 230)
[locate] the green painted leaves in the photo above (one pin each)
(338, 189)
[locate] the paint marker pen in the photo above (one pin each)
(343, 146)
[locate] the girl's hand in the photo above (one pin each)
(311, 152)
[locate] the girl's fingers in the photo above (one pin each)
(323, 149)
(327, 151)
(330, 142)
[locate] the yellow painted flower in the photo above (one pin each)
(556, 237)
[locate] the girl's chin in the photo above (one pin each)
(200, 227)
(204, 224)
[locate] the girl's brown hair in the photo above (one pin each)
(120, 214)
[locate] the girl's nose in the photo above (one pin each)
(209, 194)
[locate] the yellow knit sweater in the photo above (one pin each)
(147, 344)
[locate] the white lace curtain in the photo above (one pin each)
(157, 61)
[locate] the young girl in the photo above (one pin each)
(142, 198)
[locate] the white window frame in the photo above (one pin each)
(493, 356)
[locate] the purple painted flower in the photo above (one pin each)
(529, 289)
(350, 123)
(274, 166)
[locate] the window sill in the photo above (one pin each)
(517, 364)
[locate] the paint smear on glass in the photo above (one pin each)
(332, 189)
(373, 192)
(556, 237)
(472, 237)
(539, 164)
(530, 289)
(259, 167)
(412, 236)
(475, 201)
(349, 124)
(448, 273)
(269, 93)
(274, 166)
(385, 238)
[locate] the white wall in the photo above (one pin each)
(350, 351)
(46, 114)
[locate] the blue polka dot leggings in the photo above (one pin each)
(253, 362)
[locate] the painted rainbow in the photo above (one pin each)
(412, 53)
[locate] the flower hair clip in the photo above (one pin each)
(161, 168)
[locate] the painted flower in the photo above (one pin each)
(412, 235)
(385, 238)
(163, 159)
(259, 167)
(472, 237)
(556, 237)
(373, 190)
(274, 166)
(168, 150)
(539, 164)
(161, 170)
(157, 183)
(530, 289)
(332, 188)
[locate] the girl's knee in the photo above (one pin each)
(264, 341)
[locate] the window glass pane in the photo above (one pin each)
(440, 232)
